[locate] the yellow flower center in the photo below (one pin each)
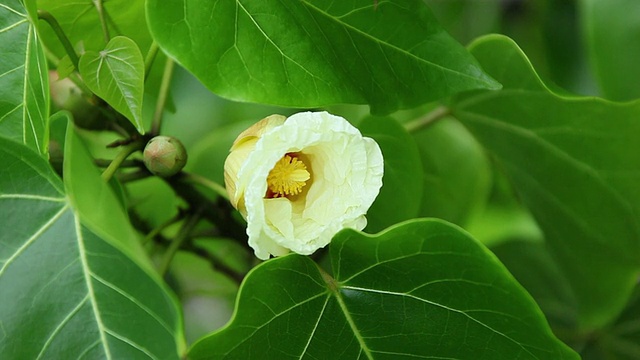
(287, 177)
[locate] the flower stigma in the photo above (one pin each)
(288, 177)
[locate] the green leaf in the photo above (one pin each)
(534, 268)
(24, 81)
(66, 292)
(569, 159)
(116, 74)
(399, 197)
(80, 21)
(456, 174)
(314, 53)
(86, 189)
(423, 289)
(613, 41)
(65, 68)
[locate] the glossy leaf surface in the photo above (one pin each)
(388, 54)
(569, 159)
(399, 197)
(24, 82)
(422, 289)
(116, 74)
(66, 292)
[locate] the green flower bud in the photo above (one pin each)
(164, 156)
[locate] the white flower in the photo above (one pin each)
(300, 180)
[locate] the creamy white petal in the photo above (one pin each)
(346, 175)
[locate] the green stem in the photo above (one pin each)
(120, 158)
(162, 97)
(68, 48)
(435, 115)
(201, 180)
(188, 225)
(148, 61)
(103, 19)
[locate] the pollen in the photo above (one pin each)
(288, 177)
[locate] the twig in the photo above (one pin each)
(210, 184)
(155, 232)
(162, 97)
(188, 225)
(127, 163)
(148, 61)
(435, 115)
(139, 174)
(216, 263)
(120, 158)
(219, 213)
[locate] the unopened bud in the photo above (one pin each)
(164, 156)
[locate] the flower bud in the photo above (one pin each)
(164, 156)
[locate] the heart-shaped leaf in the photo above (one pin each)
(24, 81)
(388, 54)
(422, 289)
(68, 293)
(573, 164)
(116, 74)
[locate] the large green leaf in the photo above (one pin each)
(24, 81)
(388, 54)
(423, 289)
(613, 39)
(116, 74)
(401, 191)
(571, 161)
(66, 292)
(80, 21)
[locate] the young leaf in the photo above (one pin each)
(388, 54)
(66, 292)
(613, 40)
(570, 160)
(422, 289)
(24, 81)
(401, 191)
(116, 74)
